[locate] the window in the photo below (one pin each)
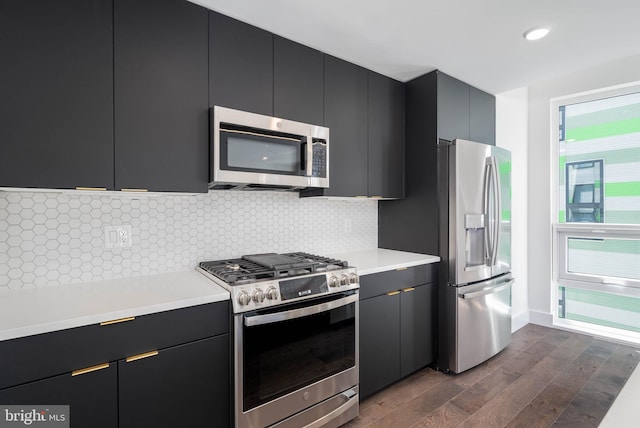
(597, 206)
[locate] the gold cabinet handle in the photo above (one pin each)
(119, 320)
(393, 293)
(141, 356)
(91, 188)
(134, 190)
(408, 289)
(401, 268)
(90, 369)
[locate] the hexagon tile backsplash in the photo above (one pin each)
(59, 238)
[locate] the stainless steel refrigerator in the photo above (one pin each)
(475, 246)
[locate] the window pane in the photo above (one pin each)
(600, 161)
(609, 257)
(622, 312)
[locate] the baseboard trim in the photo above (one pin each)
(519, 320)
(541, 318)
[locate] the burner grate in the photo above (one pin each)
(256, 267)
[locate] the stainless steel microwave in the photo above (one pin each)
(253, 151)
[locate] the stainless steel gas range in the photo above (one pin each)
(295, 338)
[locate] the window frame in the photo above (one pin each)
(561, 232)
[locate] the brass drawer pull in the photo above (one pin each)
(393, 293)
(134, 190)
(141, 356)
(90, 369)
(408, 289)
(401, 268)
(92, 188)
(119, 320)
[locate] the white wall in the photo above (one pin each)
(511, 133)
(540, 216)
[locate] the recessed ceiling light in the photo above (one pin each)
(536, 33)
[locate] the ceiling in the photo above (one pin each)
(477, 41)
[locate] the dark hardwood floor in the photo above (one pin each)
(545, 377)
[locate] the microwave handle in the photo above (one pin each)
(304, 154)
(308, 148)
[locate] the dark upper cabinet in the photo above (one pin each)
(386, 137)
(182, 386)
(92, 397)
(437, 107)
(297, 82)
(161, 102)
(453, 108)
(482, 116)
(345, 112)
(56, 82)
(240, 65)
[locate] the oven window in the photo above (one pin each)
(282, 357)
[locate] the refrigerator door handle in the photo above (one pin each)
(495, 244)
(488, 251)
(490, 290)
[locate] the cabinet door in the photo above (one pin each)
(417, 323)
(345, 113)
(240, 65)
(182, 386)
(298, 82)
(161, 101)
(92, 396)
(386, 137)
(56, 81)
(379, 342)
(482, 116)
(453, 108)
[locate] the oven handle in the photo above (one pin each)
(254, 320)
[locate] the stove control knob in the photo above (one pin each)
(333, 281)
(244, 298)
(258, 295)
(353, 278)
(272, 293)
(344, 279)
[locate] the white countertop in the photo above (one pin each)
(26, 312)
(31, 311)
(379, 260)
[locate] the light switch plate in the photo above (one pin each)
(117, 236)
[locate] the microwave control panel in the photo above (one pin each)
(319, 168)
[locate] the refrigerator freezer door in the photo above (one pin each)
(483, 322)
(479, 211)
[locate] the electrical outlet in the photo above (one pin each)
(117, 236)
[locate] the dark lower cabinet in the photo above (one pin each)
(379, 343)
(397, 322)
(161, 95)
(56, 81)
(417, 324)
(92, 397)
(183, 386)
(167, 369)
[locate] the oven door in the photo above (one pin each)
(293, 357)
